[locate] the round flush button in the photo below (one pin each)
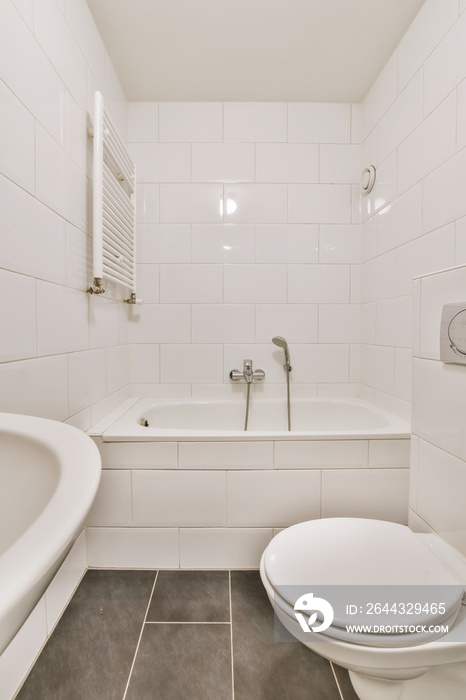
(367, 179)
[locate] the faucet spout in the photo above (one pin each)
(247, 371)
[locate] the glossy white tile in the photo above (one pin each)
(138, 455)
(401, 119)
(160, 323)
(255, 203)
(286, 162)
(144, 363)
(195, 203)
(339, 323)
(318, 284)
(340, 243)
(147, 277)
(86, 378)
(17, 140)
(193, 284)
(318, 123)
(295, 322)
(255, 121)
(223, 548)
(134, 548)
(143, 121)
(147, 203)
(163, 243)
(340, 163)
(161, 162)
(112, 505)
(320, 454)
(222, 162)
(191, 363)
(389, 453)
(443, 199)
(223, 323)
(287, 243)
(62, 319)
(325, 204)
(190, 121)
(223, 243)
(430, 252)
(17, 317)
(226, 455)
(36, 387)
(254, 284)
(394, 322)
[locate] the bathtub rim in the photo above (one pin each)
(124, 426)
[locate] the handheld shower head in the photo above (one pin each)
(281, 343)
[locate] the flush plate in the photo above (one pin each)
(453, 333)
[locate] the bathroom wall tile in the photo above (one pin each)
(328, 284)
(255, 121)
(26, 10)
(102, 408)
(103, 319)
(223, 548)
(20, 654)
(318, 123)
(385, 188)
(78, 258)
(117, 359)
(16, 140)
(147, 204)
(339, 163)
(380, 97)
(178, 498)
(62, 319)
(355, 284)
(437, 290)
(403, 373)
(266, 357)
(292, 497)
(379, 277)
(326, 204)
(368, 317)
(444, 68)
(222, 162)
(369, 239)
(321, 454)
(112, 505)
(191, 203)
(138, 455)
(148, 283)
(86, 378)
(401, 119)
(400, 221)
(356, 123)
(143, 363)
(438, 389)
(143, 121)
(413, 474)
(339, 323)
(164, 391)
(416, 316)
(24, 66)
(378, 367)
(255, 203)
(82, 25)
(321, 363)
(223, 243)
(295, 322)
(460, 242)
(226, 455)
(66, 581)
(393, 404)
(225, 323)
(429, 145)
(430, 252)
(117, 104)
(442, 193)
(36, 387)
(286, 162)
(80, 420)
(366, 493)
(77, 141)
(389, 453)
(427, 29)
(394, 322)
(160, 323)
(161, 162)
(191, 363)
(340, 243)
(17, 317)
(338, 391)
(163, 243)
(287, 243)
(190, 121)
(135, 548)
(254, 284)
(193, 284)
(442, 508)
(460, 115)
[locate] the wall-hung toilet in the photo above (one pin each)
(354, 554)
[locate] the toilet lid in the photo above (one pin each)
(352, 561)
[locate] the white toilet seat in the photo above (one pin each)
(352, 552)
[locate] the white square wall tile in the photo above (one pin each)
(87, 381)
(112, 505)
(190, 121)
(223, 243)
(340, 243)
(36, 387)
(428, 253)
(147, 203)
(160, 323)
(389, 453)
(222, 162)
(295, 322)
(223, 548)
(287, 243)
(193, 284)
(255, 121)
(161, 162)
(255, 203)
(366, 493)
(339, 323)
(147, 280)
(378, 367)
(179, 498)
(226, 455)
(320, 454)
(403, 373)
(62, 319)
(16, 140)
(291, 497)
(117, 367)
(103, 322)
(380, 97)
(17, 316)
(143, 363)
(319, 123)
(287, 162)
(138, 455)
(318, 284)
(460, 114)
(254, 284)
(143, 121)
(401, 119)
(133, 548)
(163, 243)
(202, 203)
(326, 204)
(400, 221)
(191, 363)
(223, 323)
(443, 199)
(321, 363)
(340, 163)
(394, 325)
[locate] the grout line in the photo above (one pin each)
(231, 641)
(336, 681)
(140, 637)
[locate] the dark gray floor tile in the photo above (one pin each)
(345, 683)
(183, 662)
(263, 668)
(90, 653)
(191, 596)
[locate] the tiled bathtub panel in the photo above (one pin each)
(226, 455)
(223, 548)
(272, 498)
(140, 455)
(320, 454)
(112, 505)
(181, 498)
(389, 453)
(133, 547)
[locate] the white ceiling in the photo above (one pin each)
(251, 50)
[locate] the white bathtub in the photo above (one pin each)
(49, 475)
(311, 419)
